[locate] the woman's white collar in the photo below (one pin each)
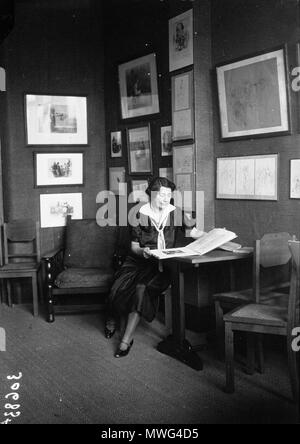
(147, 210)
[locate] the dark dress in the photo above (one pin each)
(136, 271)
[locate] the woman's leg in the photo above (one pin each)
(133, 320)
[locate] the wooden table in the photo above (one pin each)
(176, 345)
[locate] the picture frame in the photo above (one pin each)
(139, 87)
(248, 177)
(295, 178)
(182, 106)
(116, 144)
(58, 169)
(139, 150)
(253, 96)
(184, 175)
(54, 208)
(166, 172)
(117, 180)
(166, 140)
(181, 41)
(56, 120)
(138, 188)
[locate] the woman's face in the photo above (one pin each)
(161, 199)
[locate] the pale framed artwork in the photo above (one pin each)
(139, 188)
(166, 172)
(139, 150)
(58, 169)
(56, 120)
(184, 176)
(181, 41)
(182, 106)
(253, 96)
(295, 179)
(248, 177)
(54, 208)
(117, 180)
(116, 144)
(138, 87)
(166, 141)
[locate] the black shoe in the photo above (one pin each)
(109, 333)
(121, 353)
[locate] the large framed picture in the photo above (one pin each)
(54, 208)
(116, 144)
(295, 179)
(181, 38)
(138, 87)
(58, 169)
(56, 120)
(117, 180)
(184, 176)
(139, 150)
(253, 96)
(247, 177)
(182, 106)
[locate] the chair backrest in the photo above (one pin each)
(293, 307)
(21, 239)
(271, 251)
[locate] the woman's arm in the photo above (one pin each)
(139, 251)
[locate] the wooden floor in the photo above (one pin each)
(71, 377)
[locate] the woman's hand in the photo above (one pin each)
(147, 252)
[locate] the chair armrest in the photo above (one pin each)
(51, 254)
(53, 263)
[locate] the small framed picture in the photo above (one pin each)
(182, 106)
(56, 120)
(139, 188)
(166, 140)
(295, 179)
(138, 87)
(54, 208)
(181, 37)
(184, 175)
(117, 180)
(58, 169)
(116, 144)
(166, 172)
(139, 150)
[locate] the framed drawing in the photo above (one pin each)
(182, 106)
(138, 87)
(139, 190)
(58, 169)
(117, 180)
(56, 120)
(253, 96)
(247, 177)
(139, 150)
(184, 176)
(166, 172)
(181, 37)
(54, 208)
(295, 179)
(166, 140)
(116, 144)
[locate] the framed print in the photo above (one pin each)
(116, 144)
(182, 106)
(117, 180)
(253, 97)
(166, 140)
(247, 177)
(166, 172)
(138, 87)
(181, 37)
(56, 120)
(54, 208)
(184, 176)
(139, 190)
(58, 169)
(295, 179)
(139, 150)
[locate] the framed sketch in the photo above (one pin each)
(54, 208)
(295, 179)
(166, 172)
(139, 191)
(184, 176)
(247, 177)
(253, 96)
(139, 150)
(138, 87)
(58, 169)
(56, 120)
(181, 37)
(117, 180)
(182, 106)
(166, 140)
(116, 144)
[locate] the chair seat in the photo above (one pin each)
(19, 266)
(84, 278)
(259, 314)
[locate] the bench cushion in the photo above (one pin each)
(83, 278)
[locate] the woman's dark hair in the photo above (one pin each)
(157, 183)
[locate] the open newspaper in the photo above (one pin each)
(207, 242)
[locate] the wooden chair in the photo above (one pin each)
(267, 319)
(22, 255)
(269, 252)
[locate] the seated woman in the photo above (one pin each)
(140, 281)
